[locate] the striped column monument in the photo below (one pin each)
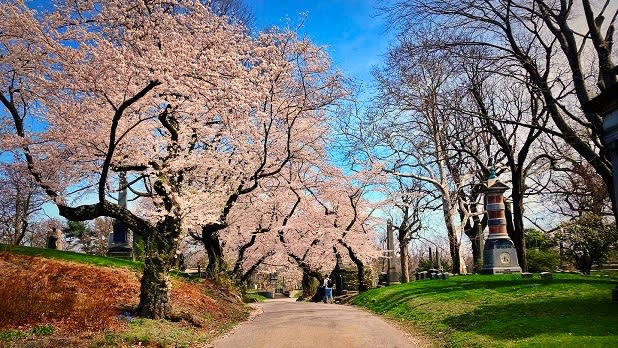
(494, 206)
(499, 254)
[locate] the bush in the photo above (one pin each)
(542, 260)
(11, 335)
(44, 330)
(536, 239)
(587, 241)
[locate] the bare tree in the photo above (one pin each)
(408, 206)
(561, 49)
(504, 109)
(413, 131)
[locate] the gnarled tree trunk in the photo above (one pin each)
(360, 267)
(211, 242)
(159, 256)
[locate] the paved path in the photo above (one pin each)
(287, 323)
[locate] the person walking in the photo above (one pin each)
(328, 290)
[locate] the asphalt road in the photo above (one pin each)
(285, 323)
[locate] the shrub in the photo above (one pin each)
(44, 330)
(542, 260)
(536, 239)
(11, 335)
(587, 241)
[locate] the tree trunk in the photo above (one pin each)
(515, 228)
(474, 232)
(160, 249)
(454, 243)
(306, 285)
(403, 255)
(215, 252)
(362, 286)
(154, 299)
(360, 267)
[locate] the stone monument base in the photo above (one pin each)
(500, 256)
(124, 252)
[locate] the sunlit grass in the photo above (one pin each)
(505, 311)
(73, 257)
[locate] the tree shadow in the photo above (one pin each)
(580, 317)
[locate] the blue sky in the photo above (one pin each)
(352, 31)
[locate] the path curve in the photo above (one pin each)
(285, 323)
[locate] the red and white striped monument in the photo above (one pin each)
(499, 254)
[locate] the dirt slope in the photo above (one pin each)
(43, 301)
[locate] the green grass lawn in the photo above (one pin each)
(72, 256)
(505, 310)
(253, 297)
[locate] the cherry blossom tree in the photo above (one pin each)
(291, 127)
(341, 218)
(165, 91)
(21, 200)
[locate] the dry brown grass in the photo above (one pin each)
(79, 300)
(68, 296)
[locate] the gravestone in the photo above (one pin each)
(430, 258)
(546, 275)
(120, 243)
(54, 239)
(393, 275)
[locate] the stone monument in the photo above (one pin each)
(393, 276)
(54, 239)
(120, 243)
(499, 253)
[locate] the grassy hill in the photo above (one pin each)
(504, 310)
(54, 298)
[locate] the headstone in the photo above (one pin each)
(393, 276)
(120, 233)
(430, 258)
(546, 275)
(54, 239)
(52, 242)
(526, 275)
